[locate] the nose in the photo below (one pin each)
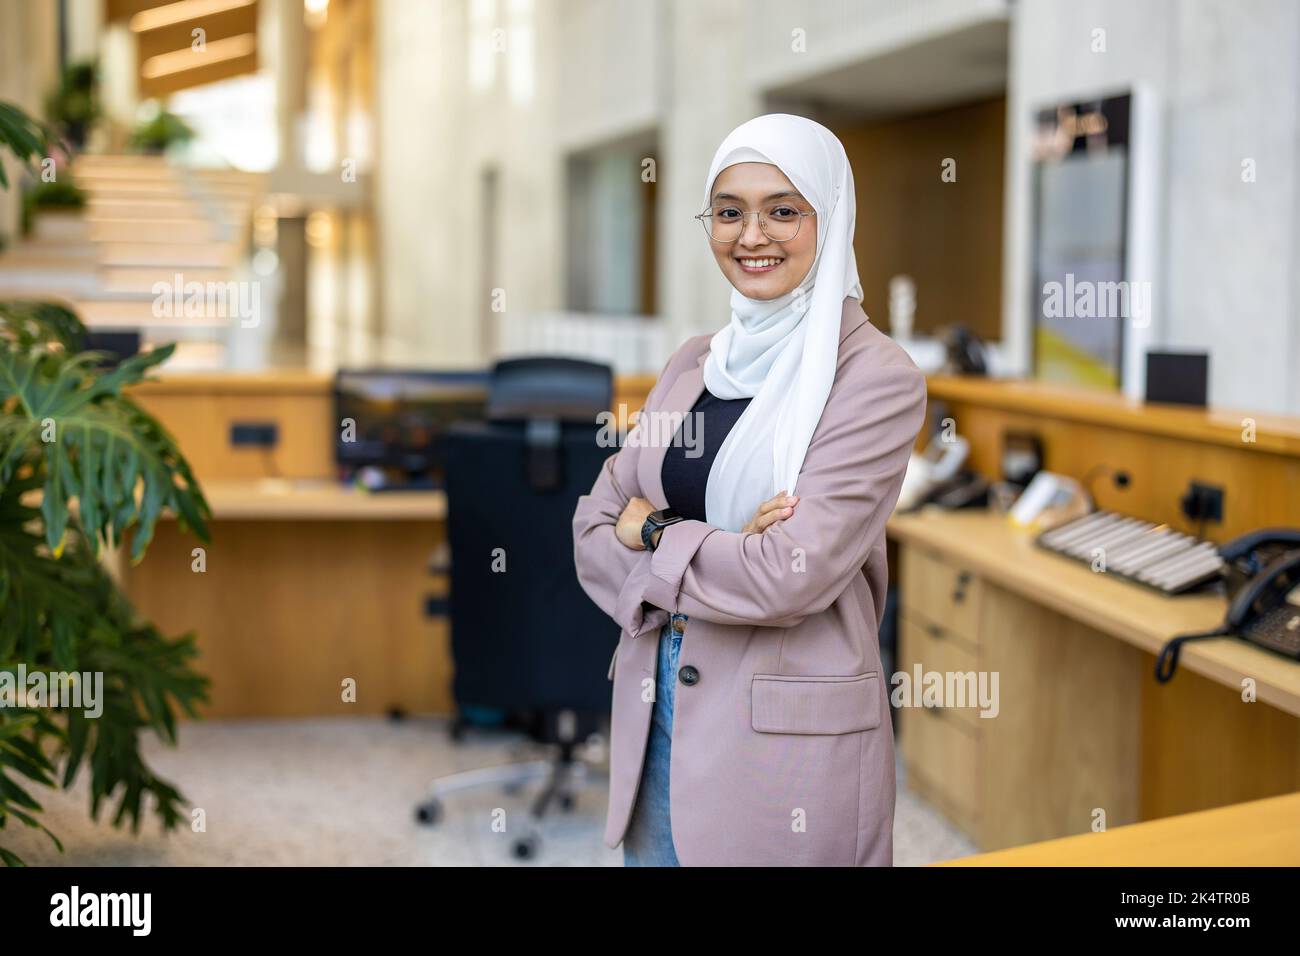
(751, 235)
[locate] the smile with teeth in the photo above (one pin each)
(759, 264)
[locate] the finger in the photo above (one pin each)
(766, 521)
(772, 504)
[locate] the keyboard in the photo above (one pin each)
(1151, 554)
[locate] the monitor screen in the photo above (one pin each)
(390, 421)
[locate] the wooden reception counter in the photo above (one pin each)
(1084, 729)
(305, 584)
(1081, 730)
(299, 569)
(1258, 833)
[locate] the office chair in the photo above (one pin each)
(525, 637)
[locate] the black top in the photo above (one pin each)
(685, 478)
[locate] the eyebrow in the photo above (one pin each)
(788, 194)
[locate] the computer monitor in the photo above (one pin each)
(115, 344)
(389, 422)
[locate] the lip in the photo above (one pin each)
(757, 269)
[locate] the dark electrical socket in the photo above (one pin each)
(1203, 502)
(254, 434)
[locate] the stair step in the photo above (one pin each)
(166, 255)
(50, 255)
(155, 208)
(146, 222)
(143, 278)
(151, 230)
(132, 314)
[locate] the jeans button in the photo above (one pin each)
(689, 675)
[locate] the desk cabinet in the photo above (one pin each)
(1082, 731)
(301, 591)
(1063, 739)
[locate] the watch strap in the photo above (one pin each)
(657, 521)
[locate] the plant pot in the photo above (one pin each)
(56, 224)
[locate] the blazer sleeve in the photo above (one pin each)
(850, 481)
(604, 565)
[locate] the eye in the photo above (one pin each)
(727, 212)
(783, 213)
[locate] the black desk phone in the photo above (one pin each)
(1263, 584)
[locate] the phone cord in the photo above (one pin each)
(1167, 662)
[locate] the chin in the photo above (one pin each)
(760, 287)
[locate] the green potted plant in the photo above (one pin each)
(82, 468)
(159, 131)
(60, 195)
(74, 106)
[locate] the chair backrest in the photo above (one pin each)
(549, 387)
(524, 633)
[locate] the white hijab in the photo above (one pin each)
(781, 352)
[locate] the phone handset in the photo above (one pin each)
(1265, 566)
(1266, 591)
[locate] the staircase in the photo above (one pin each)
(147, 222)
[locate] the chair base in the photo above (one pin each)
(565, 774)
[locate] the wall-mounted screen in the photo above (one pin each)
(1081, 299)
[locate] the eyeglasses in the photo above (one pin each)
(779, 222)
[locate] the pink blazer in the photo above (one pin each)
(782, 751)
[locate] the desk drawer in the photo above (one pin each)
(942, 753)
(934, 649)
(941, 591)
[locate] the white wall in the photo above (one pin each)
(422, 171)
(605, 69)
(1226, 76)
(1225, 72)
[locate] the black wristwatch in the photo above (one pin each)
(656, 521)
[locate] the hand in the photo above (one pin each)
(770, 512)
(630, 522)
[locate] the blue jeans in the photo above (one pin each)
(649, 837)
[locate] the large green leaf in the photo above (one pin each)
(28, 322)
(25, 137)
(103, 470)
(98, 447)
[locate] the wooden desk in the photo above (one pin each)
(1258, 833)
(1254, 457)
(1008, 557)
(272, 499)
(306, 584)
(1082, 727)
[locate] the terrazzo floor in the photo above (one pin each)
(342, 791)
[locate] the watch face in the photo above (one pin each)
(666, 515)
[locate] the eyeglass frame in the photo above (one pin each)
(744, 214)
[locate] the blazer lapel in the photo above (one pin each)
(659, 425)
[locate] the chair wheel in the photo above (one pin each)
(396, 714)
(429, 813)
(525, 848)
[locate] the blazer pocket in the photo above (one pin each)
(782, 704)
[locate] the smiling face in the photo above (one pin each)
(759, 267)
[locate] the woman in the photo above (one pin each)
(748, 658)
